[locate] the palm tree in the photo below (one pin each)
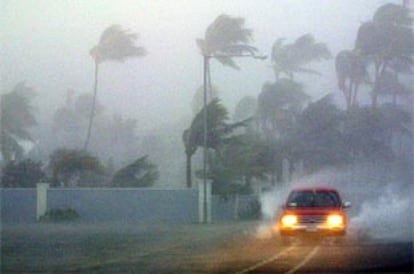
(15, 119)
(115, 44)
(218, 132)
(291, 58)
(224, 39)
(387, 40)
(351, 71)
(278, 106)
(140, 173)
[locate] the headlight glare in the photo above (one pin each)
(289, 220)
(335, 220)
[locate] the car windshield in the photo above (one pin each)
(309, 198)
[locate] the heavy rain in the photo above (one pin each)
(165, 136)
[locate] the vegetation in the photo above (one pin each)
(26, 173)
(280, 124)
(115, 44)
(16, 117)
(387, 55)
(219, 132)
(292, 58)
(224, 39)
(74, 168)
(60, 215)
(141, 173)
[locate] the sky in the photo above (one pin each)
(46, 44)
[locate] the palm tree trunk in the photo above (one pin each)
(355, 95)
(95, 91)
(206, 61)
(209, 85)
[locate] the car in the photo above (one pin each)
(313, 211)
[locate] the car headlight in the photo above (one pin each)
(335, 220)
(289, 220)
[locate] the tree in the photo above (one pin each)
(292, 58)
(26, 173)
(224, 39)
(245, 108)
(387, 41)
(218, 132)
(15, 119)
(141, 173)
(246, 157)
(70, 119)
(278, 106)
(389, 85)
(318, 138)
(115, 44)
(72, 167)
(351, 72)
(197, 103)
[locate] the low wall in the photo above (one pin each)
(18, 205)
(129, 205)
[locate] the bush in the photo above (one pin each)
(60, 215)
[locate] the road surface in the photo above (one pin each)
(217, 248)
(251, 254)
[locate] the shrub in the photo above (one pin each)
(60, 215)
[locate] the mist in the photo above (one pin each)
(46, 44)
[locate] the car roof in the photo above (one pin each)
(314, 188)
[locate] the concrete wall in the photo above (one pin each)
(120, 205)
(127, 205)
(18, 205)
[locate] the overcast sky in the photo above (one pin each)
(47, 43)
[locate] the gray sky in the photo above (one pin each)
(47, 43)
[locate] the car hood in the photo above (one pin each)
(312, 210)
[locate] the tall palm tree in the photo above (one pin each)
(291, 58)
(16, 116)
(225, 38)
(351, 72)
(117, 45)
(387, 40)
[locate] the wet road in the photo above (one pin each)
(268, 256)
(249, 254)
(227, 248)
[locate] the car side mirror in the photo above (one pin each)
(347, 204)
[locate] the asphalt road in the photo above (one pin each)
(251, 254)
(226, 248)
(268, 256)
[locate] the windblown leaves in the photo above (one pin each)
(225, 37)
(116, 44)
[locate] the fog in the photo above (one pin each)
(47, 43)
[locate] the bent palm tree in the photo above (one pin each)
(115, 44)
(224, 39)
(351, 71)
(16, 116)
(387, 40)
(219, 131)
(291, 58)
